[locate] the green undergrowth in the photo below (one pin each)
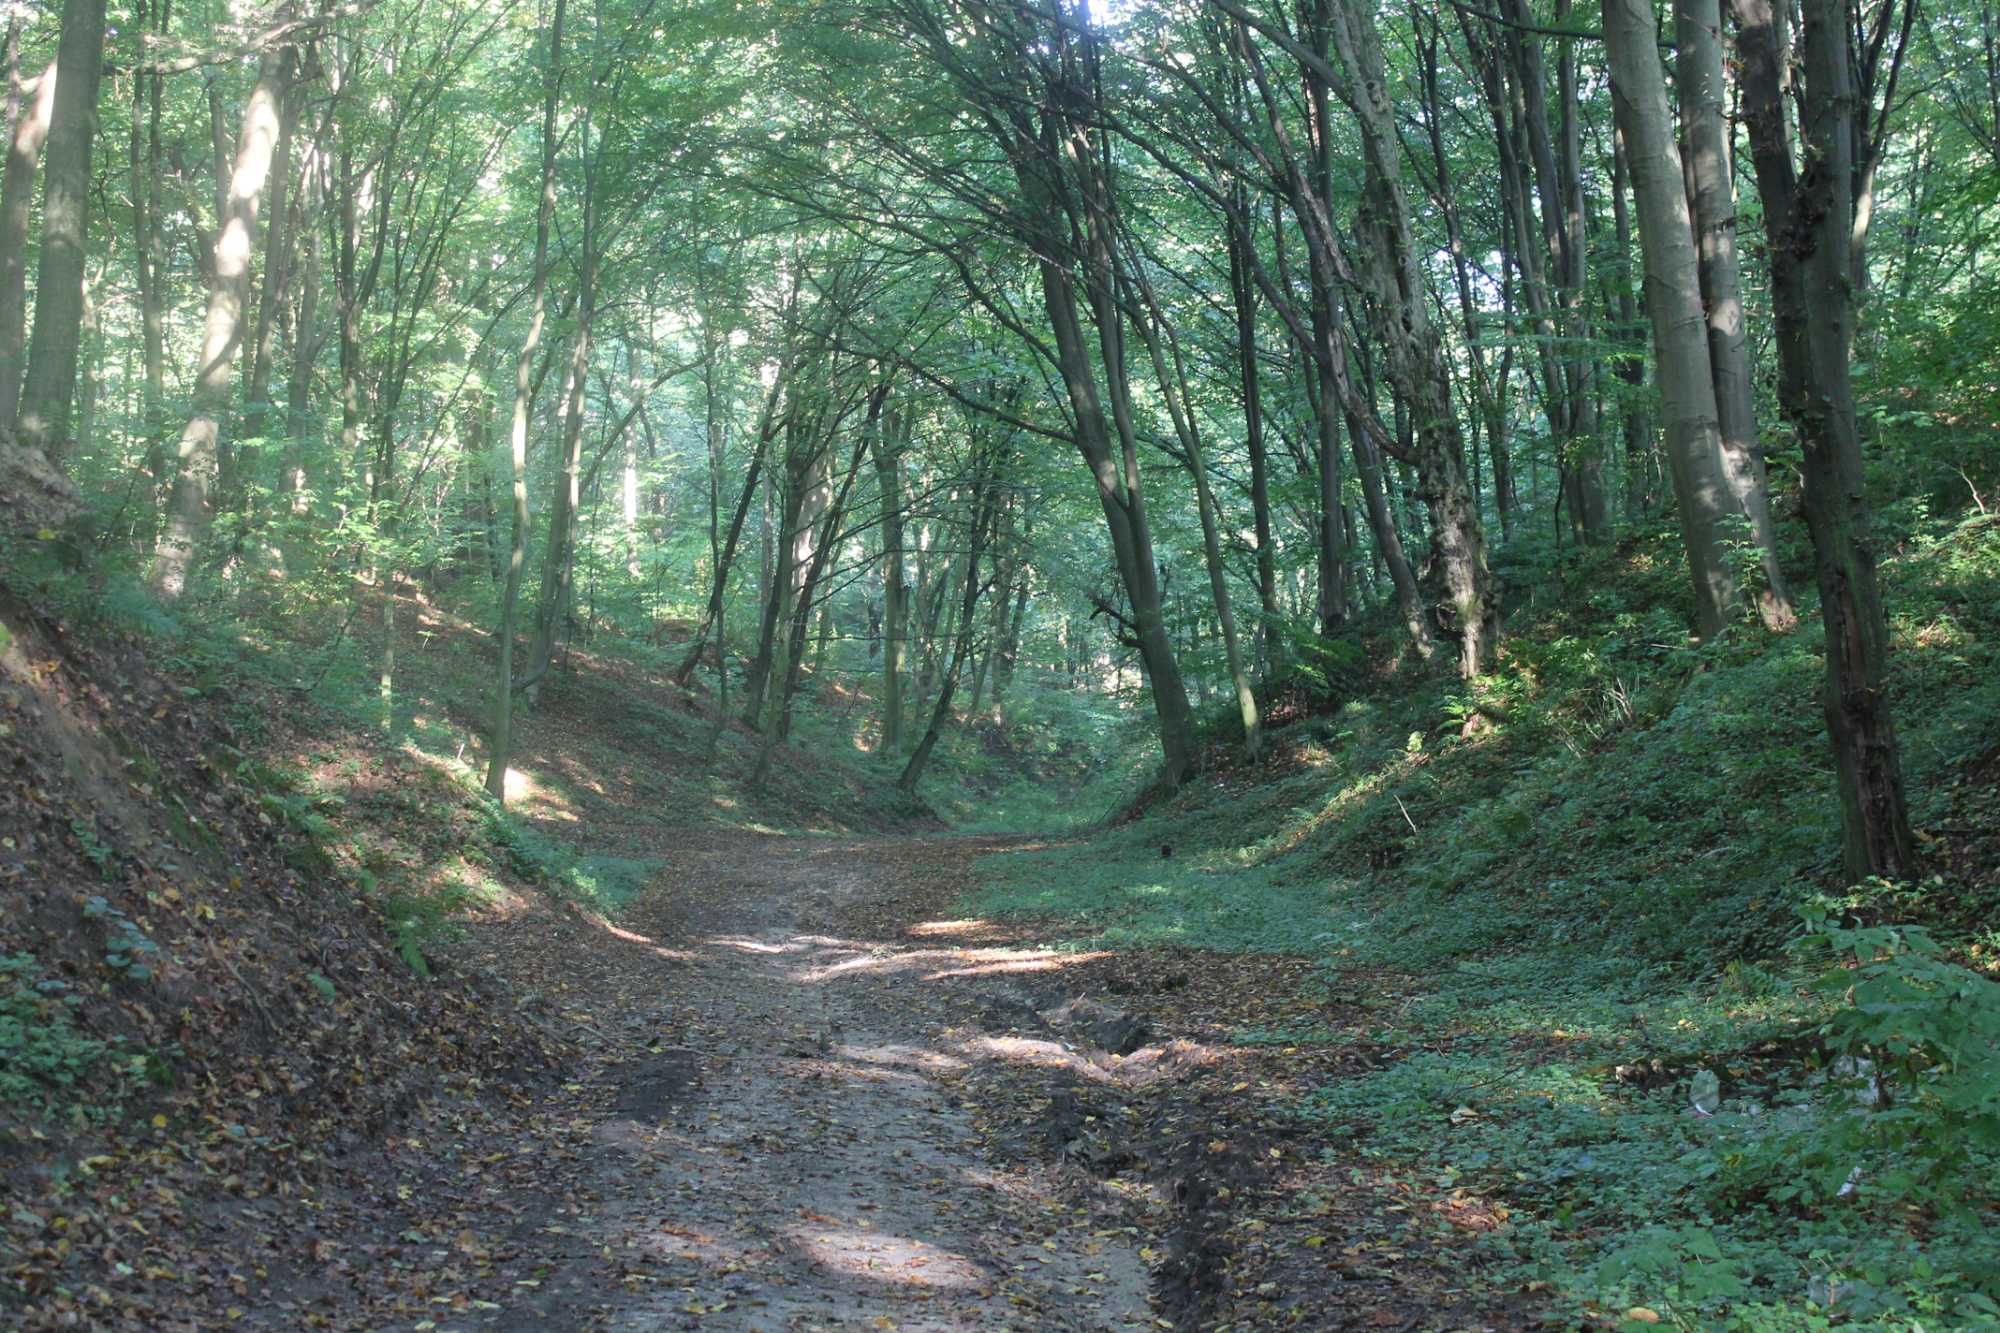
(1572, 899)
(50, 1066)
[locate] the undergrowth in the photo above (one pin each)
(1638, 1009)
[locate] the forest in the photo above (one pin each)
(1031, 664)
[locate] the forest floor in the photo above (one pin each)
(810, 1100)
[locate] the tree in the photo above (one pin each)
(1811, 221)
(190, 510)
(49, 392)
(1673, 299)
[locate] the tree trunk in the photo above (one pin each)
(1810, 223)
(17, 194)
(1673, 298)
(1711, 189)
(895, 601)
(1243, 289)
(49, 390)
(1640, 453)
(1399, 311)
(510, 597)
(191, 508)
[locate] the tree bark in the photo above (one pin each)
(17, 192)
(517, 559)
(895, 600)
(1811, 227)
(1673, 298)
(49, 390)
(1711, 190)
(191, 508)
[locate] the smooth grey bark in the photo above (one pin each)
(190, 510)
(17, 192)
(48, 393)
(1711, 190)
(1673, 298)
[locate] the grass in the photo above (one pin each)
(1590, 904)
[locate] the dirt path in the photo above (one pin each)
(773, 1134)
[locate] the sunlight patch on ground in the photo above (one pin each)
(1034, 963)
(971, 928)
(970, 962)
(1145, 1066)
(634, 937)
(886, 1258)
(914, 1057)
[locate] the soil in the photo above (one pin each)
(772, 1128)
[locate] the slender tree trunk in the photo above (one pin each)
(510, 597)
(1680, 329)
(1711, 189)
(1181, 409)
(191, 508)
(719, 582)
(277, 272)
(49, 390)
(17, 193)
(1388, 544)
(895, 600)
(1640, 453)
(1244, 290)
(984, 508)
(298, 385)
(149, 266)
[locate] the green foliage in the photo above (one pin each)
(1918, 1037)
(1573, 889)
(605, 883)
(127, 949)
(46, 1060)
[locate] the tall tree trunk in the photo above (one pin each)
(1680, 331)
(1243, 289)
(191, 508)
(524, 402)
(298, 384)
(1388, 543)
(17, 194)
(895, 599)
(985, 505)
(1640, 452)
(1181, 409)
(277, 271)
(1399, 311)
(149, 266)
(1811, 222)
(719, 580)
(49, 391)
(1711, 189)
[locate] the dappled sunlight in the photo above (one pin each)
(1147, 1065)
(1032, 963)
(657, 949)
(938, 962)
(672, 1240)
(970, 929)
(901, 1056)
(861, 1252)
